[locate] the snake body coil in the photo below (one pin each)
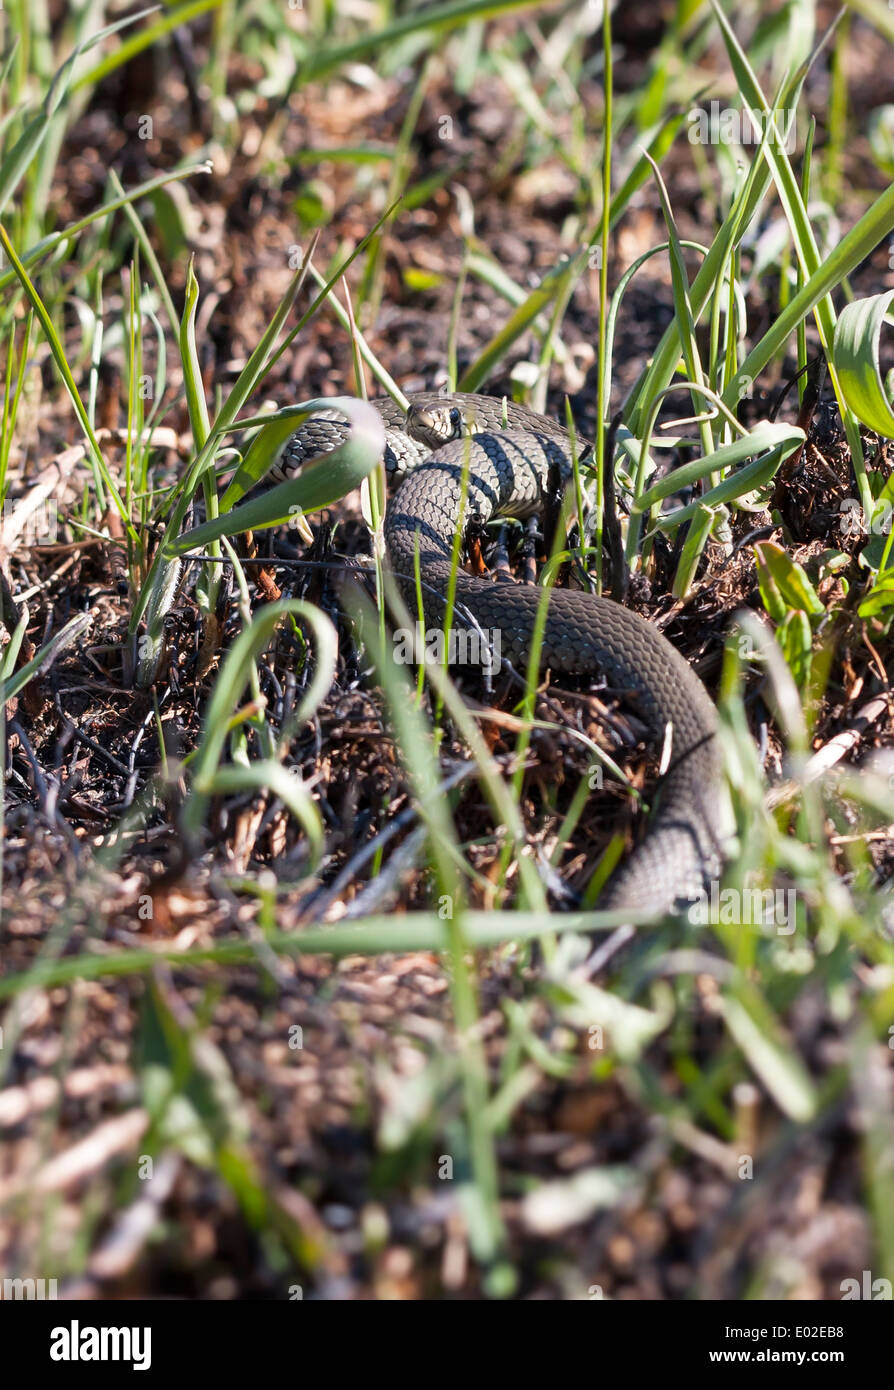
(508, 474)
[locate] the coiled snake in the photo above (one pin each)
(511, 457)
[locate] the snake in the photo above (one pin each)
(470, 458)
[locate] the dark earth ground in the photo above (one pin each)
(361, 1206)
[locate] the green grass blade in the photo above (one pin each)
(42, 661)
(853, 248)
(35, 133)
(855, 351)
(768, 435)
(317, 485)
(143, 40)
(230, 684)
(268, 775)
(415, 931)
(58, 353)
(440, 18)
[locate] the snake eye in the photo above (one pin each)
(456, 423)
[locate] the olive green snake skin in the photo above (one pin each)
(512, 457)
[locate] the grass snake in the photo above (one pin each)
(513, 457)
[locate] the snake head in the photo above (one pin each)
(435, 425)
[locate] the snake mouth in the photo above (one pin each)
(435, 425)
(421, 419)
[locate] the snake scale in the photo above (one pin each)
(512, 457)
